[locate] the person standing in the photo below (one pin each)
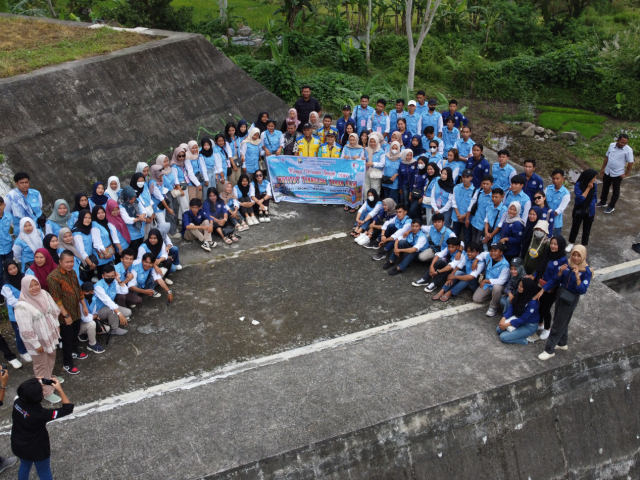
(36, 314)
(619, 156)
(432, 118)
(341, 123)
(29, 437)
(558, 199)
(305, 105)
(5, 462)
(23, 201)
(6, 240)
(584, 209)
(66, 292)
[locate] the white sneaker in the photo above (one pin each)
(205, 246)
(156, 295)
(164, 271)
(569, 247)
(540, 327)
(563, 347)
(491, 312)
(168, 281)
(213, 244)
(53, 398)
(15, 363)
(546, 356)
(178, 268)
(175, 236)
(95, 280)
(267, 218)
(533, 338)
(254, 220)
(26, 357)
(430, 288)
(261, 218)
(545, 334)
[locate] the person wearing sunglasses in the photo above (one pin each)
(548, 214)
(260, 192)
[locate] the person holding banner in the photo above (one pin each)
(250, 152)
(330, 149)
(367, 212)
(375, 163)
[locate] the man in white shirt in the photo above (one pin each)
(617, 165)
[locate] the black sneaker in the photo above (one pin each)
(636, 247)
(609, 210)
(375, 245)
(84, 337)
(395, 271)
(387, 265)
(379, 256)
(601, 204)
(419, 283)
(7, 463)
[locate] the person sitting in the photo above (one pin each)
(98, 198)
(406, 249)
(215, 208)
(516, 270)
(104, 237)
(90, 325)
(465, 274)
(133, 214)
(29, 240)
(367, 212)
(124, 274)
(511, 233)
(260, 192)
(106, 307)
(157, 246)
(496, 275)
(230, 199)
(195, 225)
(242, 190)
(146, 278)
(371, 238)
(398, 224)
(442, 265)
(437, 235)
(522, 317)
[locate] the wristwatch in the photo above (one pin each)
(66, 316)
(169, 292)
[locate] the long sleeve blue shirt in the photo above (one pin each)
(530, 315)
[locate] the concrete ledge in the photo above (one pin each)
(615, 271)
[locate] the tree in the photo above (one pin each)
(368, 32)
(429, 14)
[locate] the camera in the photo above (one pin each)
(46, 381)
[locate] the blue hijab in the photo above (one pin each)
(99, 199)
(418, 149)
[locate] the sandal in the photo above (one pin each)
(445, 298)
(353, 210)
(436, 297)
(346, 208)
(227, 240)
(233, 238)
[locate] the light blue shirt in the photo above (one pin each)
(554, 199)
(502, 176)
(361, 117)
(464, 148)
(6, 241)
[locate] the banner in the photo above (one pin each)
(316, 179)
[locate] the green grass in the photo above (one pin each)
(592, 152)
(560, 119)
(255, 12)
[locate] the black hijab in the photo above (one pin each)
(80, 226)
(243, 190)
(418, 149)
(436, 170)
(156, 249)
(206, 153)
(550, 256)
(528, 230)
(447, 185)
(47, 244)
(76, 205)
(103, 223)
(583, 180)
(14, 280)
(134, 183)
(376, 198)
(520, 300)
(259, 124)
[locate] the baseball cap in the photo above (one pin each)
(347, 107)
(330, 133)
(467, 172)
(412, 102)
(432, 101)
(307, 125)
(498, 246)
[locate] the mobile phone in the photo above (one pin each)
(46, 381)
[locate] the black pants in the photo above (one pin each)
(607, 181)
(586, 222)
(440, 278)
(135, 245)
(559, 334)
(256, 207)
(6, 351)
(546, 302)
(128, 299)
(69, 334)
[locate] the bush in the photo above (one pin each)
(324, 87)
(152, 14)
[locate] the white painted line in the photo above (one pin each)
(237, 368)
(615, 271)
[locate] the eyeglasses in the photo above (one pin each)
(181, 156)
(258, 176)
(537, 198)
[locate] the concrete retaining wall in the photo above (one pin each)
(70, 124)
(580, 421)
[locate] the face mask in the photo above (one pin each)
(370, 199)
(431, 109)
(538, 234)
(420, 166)
(140, 184)
(109, 280)
(433, 149)
(394, 150)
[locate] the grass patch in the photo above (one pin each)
(254, 12)
(592, 153)
(27, 45)
(570, 119)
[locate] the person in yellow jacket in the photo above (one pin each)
(330, 149)
(308, 145)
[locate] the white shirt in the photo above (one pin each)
(104, 298)
(618, 159)
(125, 216)
(97, 239)
(8, 294)
(462, 265)
(163, 253)
(252, 189)
(444, 207)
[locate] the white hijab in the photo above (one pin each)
(139, 168)
(113, 194)
(33, 239)
(249, 137)
(517, 218)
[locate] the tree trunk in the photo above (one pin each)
(51, 10)
(293, 14)
(396, 30)
(369, 33)
(412, 68)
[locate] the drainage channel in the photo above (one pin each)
(623, 279)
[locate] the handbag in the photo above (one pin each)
(262, 164)
(184, 185)
(386, 180)
(200, 177)
(94, 261)
(416, 192)
(109, 250)
(227, 230)
(375, 173)
(567, 296)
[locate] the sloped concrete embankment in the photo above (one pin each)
(580, 421)
(73, 123)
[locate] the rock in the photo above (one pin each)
(540, 130)
(529, 131)
(231, 32)
(527, 124)
(546, 135)
(572, 143)
(569, 136)
(548, 132)
(540, 139)
(244, 31)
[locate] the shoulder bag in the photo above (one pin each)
(567, 296)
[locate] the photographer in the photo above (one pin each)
(29, 436)
(4, 378)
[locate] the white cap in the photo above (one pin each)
(412, 102)
(543, 225)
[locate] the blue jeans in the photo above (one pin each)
(462, 231)
(392, 193)
(174, 253)
(459, 285)
(42, 468)
(406, 190)
(504, 303)
(19, 343)
(557, 231)
(519, 335)
(149, 283)
(408, 257)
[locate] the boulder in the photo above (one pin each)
(572, 136)
(540, 130)
(527, 124)
(540, 139)
(548, 132)
(231, 32)
(244, 31)
(529, 131)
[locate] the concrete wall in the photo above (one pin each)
(580, 421)
(70, 124)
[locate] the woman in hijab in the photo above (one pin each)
(11, 291)
(535, 214)
(206, 151)
(261, 121)
(37, 317)
(104, 237)
(216, 209)
(371, 238)
(572, 282)
(512, 230)
(51, 243)
(199, 168)
(84, 245)
(367, 212)
(143, 168)
(113, 187)
(408, 170)
(375, 163)
(42, 266)
(133, 215)
(241, 191)
(98, 197)
(584, 208)
(222, 162)
(522, 314)
(81, 202)
(233, 146)
(65, 242)
(537, 247)
(144, 197)
(352, 151)
(232, 203)
(292, 119)
(516, 271)
(390, 182)
(548, 267)
(158, 192)
(122, 237)
(442, 195)
(416, 146)
(29, 240)
(431, 180)
(242, 131)
(250, 152)
(60, 217)
(181, 176)
(316, 123)
(159, 253)
(348, 130)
